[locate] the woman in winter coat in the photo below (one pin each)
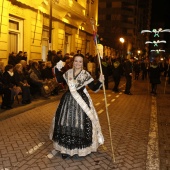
(21, 81)
(10, 89)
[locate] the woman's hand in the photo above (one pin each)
(101, 78)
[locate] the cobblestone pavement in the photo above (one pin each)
(24, 141)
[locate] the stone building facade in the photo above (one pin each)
(25, 26)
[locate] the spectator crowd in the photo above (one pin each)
(32, 79)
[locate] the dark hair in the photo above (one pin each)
(78, 55)
(59, 52)
(8, 67)
(34, 63)
(78, 51)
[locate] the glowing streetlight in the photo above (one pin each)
(122, 40)
(138, 52)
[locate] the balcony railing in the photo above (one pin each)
(74, 7)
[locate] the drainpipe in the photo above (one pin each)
(50, 26)
(1, 16)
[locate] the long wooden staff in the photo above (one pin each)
(108, 119)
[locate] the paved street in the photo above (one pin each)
(140, 126)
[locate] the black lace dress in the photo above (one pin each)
(72, 127)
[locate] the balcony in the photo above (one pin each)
(127, 25)
(129, 2)
(128, 14)
(60, 7)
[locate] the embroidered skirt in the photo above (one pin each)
(72, 127)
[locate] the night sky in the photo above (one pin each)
(160, 17)
(160, 11)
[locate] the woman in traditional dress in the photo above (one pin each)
(75, 127)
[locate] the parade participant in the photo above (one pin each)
(117, 71)
(75, 128)
(128, 75)
(154, 75)
(106, 71)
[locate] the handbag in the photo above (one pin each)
(45, 90)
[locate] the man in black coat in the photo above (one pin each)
(128, 75)
(117, 71)
(12, 59)
(56, 58)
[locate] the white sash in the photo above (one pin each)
(90, 112)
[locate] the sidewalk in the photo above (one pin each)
(20, 108)
(24, 141)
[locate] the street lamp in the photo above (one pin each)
(138, 52)
(122, 40)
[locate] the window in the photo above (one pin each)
(15, 36)
(108, 17)
(87, 46)
(44, 43)
(67, 43)
(13, 25)
(108, 4)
